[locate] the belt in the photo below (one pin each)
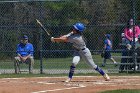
(83, 49)
(80, 49)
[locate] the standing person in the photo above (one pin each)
(137, 47)
(107, 48)
(129, 31)
(80, 50)
(125, 46)
(137, 44)
(125, 53)
(124, 41)
(24, 54)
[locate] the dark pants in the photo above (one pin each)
(124, 61)
(107, 55)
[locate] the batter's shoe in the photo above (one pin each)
(68, 80)
(106, 77)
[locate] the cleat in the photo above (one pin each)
(106, 77)
(68, 80)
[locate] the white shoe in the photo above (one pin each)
(106, 77)
(68, 80)
(136, 68)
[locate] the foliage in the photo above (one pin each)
(64, 13)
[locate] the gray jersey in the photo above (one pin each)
(80, 49)
(77, 41)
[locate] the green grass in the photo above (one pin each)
(60, 75)
(59, 63)
(123, 91)
(21, 75)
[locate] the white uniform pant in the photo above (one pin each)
(85, 55)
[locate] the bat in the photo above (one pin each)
(42, 26)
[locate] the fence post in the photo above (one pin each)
(41, 57)
(134, 23)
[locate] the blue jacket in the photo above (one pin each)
(25, 50)
(108, 44)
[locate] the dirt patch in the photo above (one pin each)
(82, 84)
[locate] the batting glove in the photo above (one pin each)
(52, 39)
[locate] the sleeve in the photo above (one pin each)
(126, 34)
(105, 42)
(69, 34)
(72, 39)
(137, 31)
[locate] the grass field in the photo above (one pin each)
(122, 91)
(63, 64)
(59, 63)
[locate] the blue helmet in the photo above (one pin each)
(79, 26)
(108, 35)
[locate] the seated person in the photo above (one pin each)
(24, 54)
(128, 31)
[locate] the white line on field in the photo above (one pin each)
(45, 83)
(12, 78)
(76, 76)
(57, 89)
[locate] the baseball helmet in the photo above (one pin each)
(108, 35)
(79, 26)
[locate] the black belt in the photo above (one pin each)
(83, 48)
(80, 49)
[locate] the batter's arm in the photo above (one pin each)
(60, 39)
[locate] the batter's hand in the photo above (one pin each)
(52, 39)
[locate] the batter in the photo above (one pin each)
(80, 50)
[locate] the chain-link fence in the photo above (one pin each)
(100, 17)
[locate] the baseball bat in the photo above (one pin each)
(42, 26)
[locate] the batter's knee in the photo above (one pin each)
(95, 66)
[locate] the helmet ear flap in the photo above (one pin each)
(79, 27)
